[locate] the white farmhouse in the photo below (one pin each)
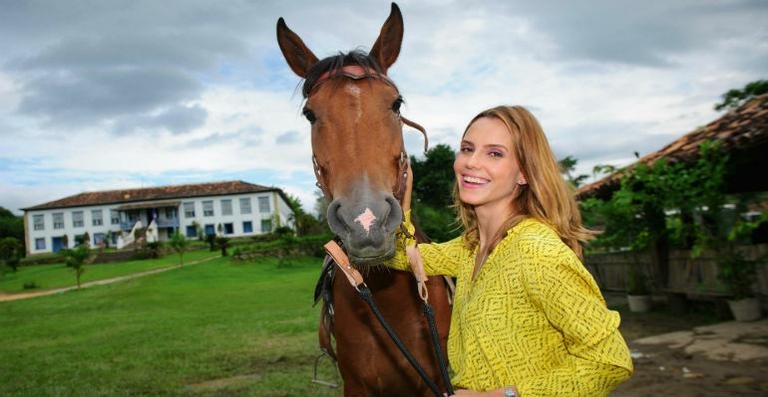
(232, 209)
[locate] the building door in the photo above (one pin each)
(57, 244)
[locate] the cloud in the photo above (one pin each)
(154, 93)
(288, 138)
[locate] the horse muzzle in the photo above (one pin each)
(366, 227)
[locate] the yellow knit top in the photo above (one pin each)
(533, 317)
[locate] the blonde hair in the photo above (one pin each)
(547, 196)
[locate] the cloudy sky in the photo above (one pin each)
(98, 95)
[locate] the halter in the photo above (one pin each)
(357, 72)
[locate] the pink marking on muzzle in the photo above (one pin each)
(366, 220)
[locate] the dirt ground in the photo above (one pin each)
(661, 370)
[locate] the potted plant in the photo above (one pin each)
(739, 274)
(638, 291)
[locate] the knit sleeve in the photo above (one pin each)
(598, 357)
(439, 258)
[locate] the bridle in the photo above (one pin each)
(334, 250)
(357, 72)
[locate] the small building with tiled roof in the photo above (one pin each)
(231, 208)
(742, 132)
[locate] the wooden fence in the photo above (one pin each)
(693, 277)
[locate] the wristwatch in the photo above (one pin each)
(509, 391)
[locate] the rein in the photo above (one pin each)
(354, 277)
(358, 283)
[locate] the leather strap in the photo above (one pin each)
(342, 261)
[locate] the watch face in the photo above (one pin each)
(509, 392)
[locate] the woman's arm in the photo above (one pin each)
(598, 358)
(439, 258)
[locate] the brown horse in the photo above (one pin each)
(359, 159)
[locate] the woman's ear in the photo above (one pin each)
(522, 180)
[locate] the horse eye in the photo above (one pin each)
(310, 115)
(396, 105)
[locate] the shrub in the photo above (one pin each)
(31, 285)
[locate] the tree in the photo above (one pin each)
(12, 226)
(305, 223)
(76, 258)
(432, 200)
(433, 177)
(737, 97)
(179, 244)
(11, 252)
(567, 167)
(222, 243)
(656, 204)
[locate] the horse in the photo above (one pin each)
(360, 163)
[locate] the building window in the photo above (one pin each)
(208, 208)
(228, 228)
(247, 227)
(114, 217)
(266, 225)
(189, 209)
(39, 244)
(58, 220)
(98, 238)
(192, 231)
(133, 217)
(77, 219)
(209, 229)
(226, 207)
(170, 213)
(96, 218)
(264, 204)
(39, 222)
(245, 205)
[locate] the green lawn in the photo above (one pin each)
(58, 275)
(220, 328)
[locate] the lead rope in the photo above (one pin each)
(417, 267)
(356, 279)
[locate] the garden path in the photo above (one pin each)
(27, 295)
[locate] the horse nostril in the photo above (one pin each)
(394, 216)
(335, 220)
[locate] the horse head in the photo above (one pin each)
(357, 143)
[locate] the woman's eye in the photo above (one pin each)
(396, 105)
(310, 115)
(465, 149)
(496, 154)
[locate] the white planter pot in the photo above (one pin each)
(745, 309)
(639, 303)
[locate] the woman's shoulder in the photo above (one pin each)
(532, 228)
(535, 236)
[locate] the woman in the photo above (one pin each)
(528, 319)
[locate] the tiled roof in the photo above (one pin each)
(738, 130)
(154, 193)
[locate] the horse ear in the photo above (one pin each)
(387, 46)
(299, 57)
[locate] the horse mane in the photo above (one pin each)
(335, 63)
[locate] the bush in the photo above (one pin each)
(31, 285)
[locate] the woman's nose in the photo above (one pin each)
(472, 161)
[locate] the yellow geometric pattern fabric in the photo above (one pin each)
(533, 317)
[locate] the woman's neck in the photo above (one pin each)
(489, 221)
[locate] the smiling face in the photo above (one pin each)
(486, 167)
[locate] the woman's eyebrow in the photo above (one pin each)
(496, 146)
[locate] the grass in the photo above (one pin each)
(221, 328)
(58, 275)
